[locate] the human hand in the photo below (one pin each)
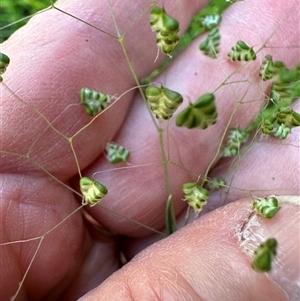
(52, 58)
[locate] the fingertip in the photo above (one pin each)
(202, 261)
(284, 227)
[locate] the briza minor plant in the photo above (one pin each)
(167, 110)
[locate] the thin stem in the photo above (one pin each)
(75, 156)
(37, 111)
(138, 17)
(165, 163)
(212, 162)
(27, 270)
(85, 22)
(133, 220)
(114, 19)
(169, 207)
(137, 82)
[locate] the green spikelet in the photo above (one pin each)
(278, 119)
(195, 195)
(286, 84)
(280, 124)
(166, 29)
(266, 207)
(200, 114)
(281, 131)
(4, 62)
(274, 129)
(236, 138)
(216, 183)
(264, 255)
(242, 52)
(288, 117)
(116, 153)
(211, 45)
(162, 101)
(92, 191)
(210, 21)
(93, 101)
(267, 70)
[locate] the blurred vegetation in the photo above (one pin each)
(13, 11)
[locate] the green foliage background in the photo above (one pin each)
(14, 10)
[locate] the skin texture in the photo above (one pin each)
(207, 260)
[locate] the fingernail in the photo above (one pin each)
(285, 228)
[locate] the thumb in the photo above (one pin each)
(210, 259)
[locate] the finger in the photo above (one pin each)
(55, 63)
(211, 260)
(139, 190)
(38, 226)
(100, 261)
(41, 83)
(31, 214)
